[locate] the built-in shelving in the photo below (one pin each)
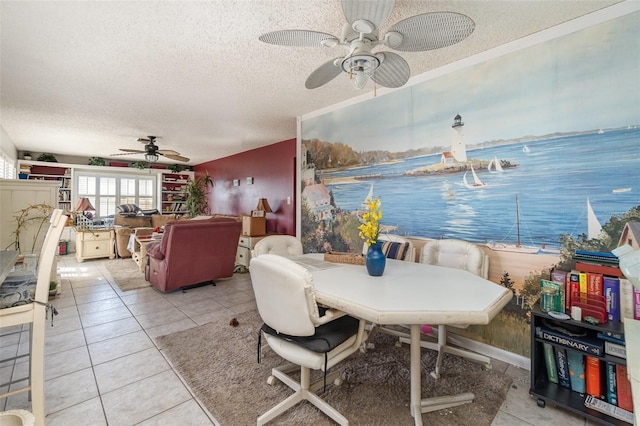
(174, 192)
(62, 174)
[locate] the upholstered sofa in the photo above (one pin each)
(193, 252)
(125, 225)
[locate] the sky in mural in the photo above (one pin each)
(535, 91)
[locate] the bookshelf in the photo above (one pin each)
(174, 192)
(554, 393)
(46, 171)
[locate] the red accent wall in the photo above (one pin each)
(273, 169)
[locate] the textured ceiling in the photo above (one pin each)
(86, 77)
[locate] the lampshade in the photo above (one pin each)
(84, 205)
(629, 263)
(152, 158)
(263, 205)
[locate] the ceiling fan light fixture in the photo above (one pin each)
(360, 68)
(151, 157)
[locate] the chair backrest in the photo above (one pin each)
(283, 245)
(284, 294)
(387, 249)
(456, 254)
(57, 223)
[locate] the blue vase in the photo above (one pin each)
(375, 260)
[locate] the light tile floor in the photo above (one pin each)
(103, 365)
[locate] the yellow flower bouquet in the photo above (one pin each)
(370, 226)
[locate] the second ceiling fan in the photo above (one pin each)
(360, 35)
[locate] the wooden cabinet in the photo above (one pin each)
(38, 170)
(173, 191)
(245, 245)
(556, 394)
(95, 244)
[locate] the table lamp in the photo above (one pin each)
(83, 206)
(263, 205)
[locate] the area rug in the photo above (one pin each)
(126, 274)
(219, 363)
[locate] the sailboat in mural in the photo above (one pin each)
(497, 167)
(517, 248)
(594, 229)
(369, 197)
(477, 183)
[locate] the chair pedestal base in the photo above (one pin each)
(305, 390)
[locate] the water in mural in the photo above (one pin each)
(553, 180)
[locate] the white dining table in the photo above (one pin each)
(411, 294)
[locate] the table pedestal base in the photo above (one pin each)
(419, 405)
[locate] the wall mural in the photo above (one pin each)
(516, 154)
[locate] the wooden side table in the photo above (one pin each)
(140, 255)
(95, 244)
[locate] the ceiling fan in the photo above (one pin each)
(151, 151)
(360, 35)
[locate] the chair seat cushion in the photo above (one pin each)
(327, 336)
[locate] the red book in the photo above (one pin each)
(573, 286)
(594, 283)
(612, 271)
(625, 401)
(592, 376)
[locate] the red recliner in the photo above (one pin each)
(193, 252)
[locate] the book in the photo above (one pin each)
(558, 304)
(596, 257)
(563, 367)
(611, 288)
(575, 361)
(594, 283)
(626, 299)
(613, 271)
(617, 338)
(625, 400)
(583, 343)
(583, 282)
(574, 285)
(550, 363)
(593, 384)
(636, 303)
(615, 349)
(608, 409)
(561, 277)
(612, 389)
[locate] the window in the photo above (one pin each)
(106, 191)
(7, 167)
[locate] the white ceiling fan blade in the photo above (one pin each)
(375, 11)
(175, 157)
(296, 38)
(393, 71)
(323, 74)
(433, 30)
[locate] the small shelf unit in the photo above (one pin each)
(556, 394)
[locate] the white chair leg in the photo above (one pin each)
(36, 377)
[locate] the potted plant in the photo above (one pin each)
(176, 168)
(197, 191)
(26, 155)
(139, 165)
(96, 161)
(50, 158)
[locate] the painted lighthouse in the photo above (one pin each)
(458, 148)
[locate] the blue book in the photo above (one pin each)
(612, 388)
(612, 298)
(586, 344)
(609, 338)
(563, 367)
(576, 371)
